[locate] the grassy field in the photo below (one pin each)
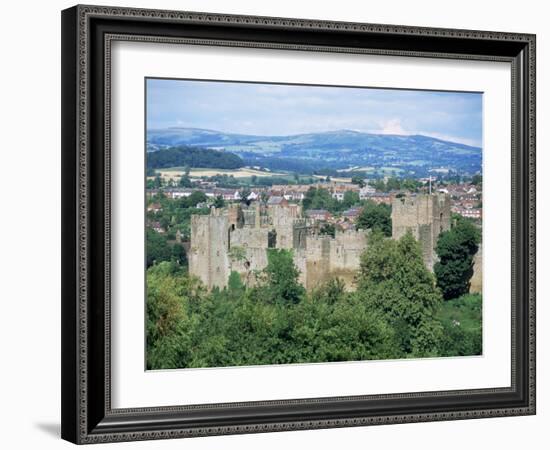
(336, 179)
(243, 172)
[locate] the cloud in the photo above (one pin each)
(273, 109)
(392, 126)
(451, 138)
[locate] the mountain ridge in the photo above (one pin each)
(414, 155)
(292, 135)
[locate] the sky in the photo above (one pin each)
(273, 109)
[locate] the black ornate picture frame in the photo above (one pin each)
(87, 35)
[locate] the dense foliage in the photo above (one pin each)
(462, 326)
(193, 157)
(375, 217)
(456, 249)
(174, 217)
(396, 312)
(320, 198)
(188, 327)
(159, 248)
(396, 184)
(395, 281)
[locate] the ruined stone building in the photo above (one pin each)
(237, 239)
(322, 257)
(426, 216)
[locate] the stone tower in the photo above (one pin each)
(425, 216)
(208, 259)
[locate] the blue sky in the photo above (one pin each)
(270, 109)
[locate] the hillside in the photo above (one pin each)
(192, 157)
(343, 149)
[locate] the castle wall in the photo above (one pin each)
(255, 260)
(425, 216)
(425, 237)
(249, 237)
(282, 219)
(317, 266)
(476, 285)
(346, 250)
(208, 259)
(323, 258)
(300, 260)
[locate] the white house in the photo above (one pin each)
(365, 191)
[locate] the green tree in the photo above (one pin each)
(282, 277)
(184, 181)
(462, 326)
(351, 198)
(394, 281)
(157, 248)
(477, 179)
(170, 326)
(358, 181)
(243, 194)
(195, 198)
(456, 249)
(393, 184)
(379, 185)
(188, 157)
(375, 217)
(157, 181)
(219, 202)
(410, 185)
(235, 286)
(331, 292)
(328, 229)
(320, 198)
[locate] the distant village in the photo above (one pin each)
(465, 198)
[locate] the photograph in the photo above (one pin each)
(299, 224)
(280, 220)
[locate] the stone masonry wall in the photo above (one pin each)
(425, 216)
(318, 257)
(208, 253)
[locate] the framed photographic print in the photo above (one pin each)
(278, 224)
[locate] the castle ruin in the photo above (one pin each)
(425, 216)
(237, 238)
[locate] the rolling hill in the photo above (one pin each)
(413, 155)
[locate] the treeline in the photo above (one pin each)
(396, 184)
(287, 164)
(230, 181)
(193, 157)
(397, 311)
